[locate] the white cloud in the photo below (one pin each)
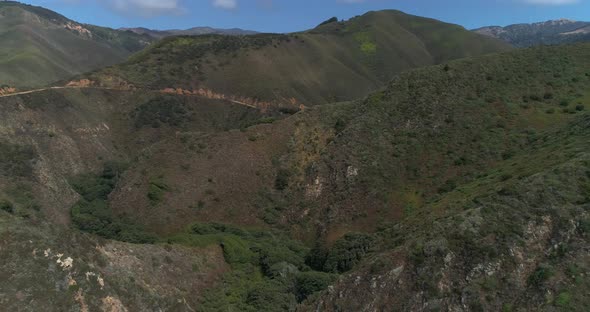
(551, 2)
(226, 4)
(146, 7)
(136, 7)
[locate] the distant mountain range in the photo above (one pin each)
(543, 33)
(188, 32)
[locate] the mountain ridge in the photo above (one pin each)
(193, 31)
(41, 46)
(549, 32)
(284, 68)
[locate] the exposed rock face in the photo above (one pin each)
(78, 29)
(525, 271)
(90, 274)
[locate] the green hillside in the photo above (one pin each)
(40, 46)
(464, 184)
(333, 62)
(471, 175)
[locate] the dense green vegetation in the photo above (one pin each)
(470, 156)
(165, 110)
(6, 206)
(268, 269)
(93, 213)
(329, 21)
(343, 256)
(435, 129)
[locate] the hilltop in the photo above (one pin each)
(40, 46)
(543, 33)
(334, 62)
(195, 31)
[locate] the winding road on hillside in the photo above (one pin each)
(96, 88)
(31, 91)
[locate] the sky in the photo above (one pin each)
(297, 15)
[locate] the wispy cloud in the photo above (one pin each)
(226, 4)
(551, 2)
(146, 7)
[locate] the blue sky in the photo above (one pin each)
(295, 15)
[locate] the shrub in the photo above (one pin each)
(6, 206)
(22, 195)
(266, 120)
(289, 110)
(282, 179)
(157, 188)
(16, 160)
(564, 103)
(448, 186)
(237, 250)
(317, 256)
(169, 110)
(261, 296)
(92, 187)
(548, 95)
(307, 283)
(580, 107)
(208, 228)
(507, 307)
(563, 300)
(93, 213)
(535, 97)
(329, 21)
(347, 252)
(340, 125)
(550, 111)
(540, 275)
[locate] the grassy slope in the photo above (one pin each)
(354, 166)
(435, 128)
(509, 232)
(333, 62)
(75, 131)
(37, 49)
(512, 244)
(467, 160)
